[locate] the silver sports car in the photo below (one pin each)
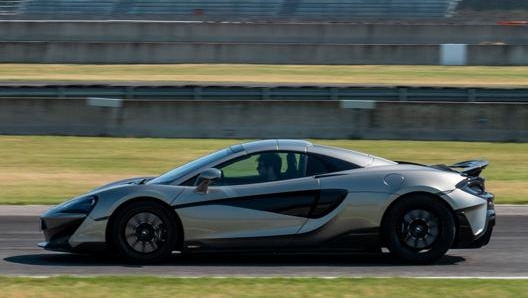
(281, 196)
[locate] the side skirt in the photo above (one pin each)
(365, 240)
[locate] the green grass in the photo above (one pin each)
(50, 169)
(47, 170)
(142, 286)
(280, 74)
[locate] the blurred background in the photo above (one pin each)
(480, 47)
(466, 11)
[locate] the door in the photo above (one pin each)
(245, 207)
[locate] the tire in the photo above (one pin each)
(145, 232)
(419, 229)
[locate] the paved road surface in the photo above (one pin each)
(505, 256)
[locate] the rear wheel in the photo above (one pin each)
(145, 232)
(419, 229)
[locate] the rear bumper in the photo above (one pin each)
(465, 237)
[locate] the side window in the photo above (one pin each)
(292, 165)
(262, 167)
(274, 166)
(315, 166)
(237, 171)
(242, 171)
(321, 164)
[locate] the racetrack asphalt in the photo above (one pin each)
(506, 256)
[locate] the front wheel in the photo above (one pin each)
(419, 229)
(145, 232)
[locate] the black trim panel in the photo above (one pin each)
(308, 203)
(327, 201)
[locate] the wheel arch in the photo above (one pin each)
(124, 205)
(416, 194)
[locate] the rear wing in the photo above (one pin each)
(471, 168)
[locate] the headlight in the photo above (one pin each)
(78, 205)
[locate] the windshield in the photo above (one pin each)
(189, 167)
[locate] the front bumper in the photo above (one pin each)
(72, 232)
(58, 229)
(466, 238)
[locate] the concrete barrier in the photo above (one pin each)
(330, 33)
(274, 43)
(267, 119)
(497, 54)
(332, 54)
(175, 52)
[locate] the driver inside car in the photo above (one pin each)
(269, 166)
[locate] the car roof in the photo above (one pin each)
(274, 145)
(359, 158)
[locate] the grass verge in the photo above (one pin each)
(407, 75)
(143, 286)
(50, 169)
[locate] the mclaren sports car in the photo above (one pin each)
(281, 196)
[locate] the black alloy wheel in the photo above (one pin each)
(419, 229)
(145, 232)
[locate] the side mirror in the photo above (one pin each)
(205, 178)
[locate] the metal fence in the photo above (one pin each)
(225, 92)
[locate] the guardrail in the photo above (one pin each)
(227, 92)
